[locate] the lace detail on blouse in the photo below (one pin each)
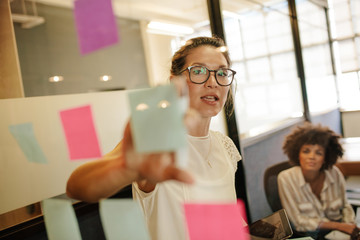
(229, 147)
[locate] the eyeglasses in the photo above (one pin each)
(200, 74)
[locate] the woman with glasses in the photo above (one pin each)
(210, 173)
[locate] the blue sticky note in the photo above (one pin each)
(25, 137)
(123, 219)
(157, 119)
(60, 219)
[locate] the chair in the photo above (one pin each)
(271, 186)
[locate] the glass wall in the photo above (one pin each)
(147, 36)
(258, 34)
(260, 43)
(316, 52)
(345, 15)
(148, 31)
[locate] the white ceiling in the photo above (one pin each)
(185, 12)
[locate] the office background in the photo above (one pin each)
(296, 61)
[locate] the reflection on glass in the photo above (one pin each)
(138, 61)
(56, 79)
(163, 104)
(142, 107)
(105, 78)
(19, 215)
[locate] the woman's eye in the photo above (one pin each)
(198, 71)
(319, 153)
(222, 73)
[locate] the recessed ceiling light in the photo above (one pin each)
(105, 78)
(56, 78)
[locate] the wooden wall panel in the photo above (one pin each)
(10, 76)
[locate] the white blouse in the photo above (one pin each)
(213, 163)
(304, 209)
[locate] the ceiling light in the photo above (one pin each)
(105, 78)
(168, 29)
(56, 78)
(142, 107)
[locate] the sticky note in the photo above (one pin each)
(122, 219)
(80, 133)
(25, 137)
(95, 24)
(214, 221)
(157, 119)
(60, 219)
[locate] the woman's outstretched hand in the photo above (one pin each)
(123, 165)
(160, 166)
(153, 167)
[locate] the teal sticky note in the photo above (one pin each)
(123, 219)
(157, 119)
(25, 137)
(60, 219)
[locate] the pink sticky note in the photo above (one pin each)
(95, 24)
(215, 221)
(80, 133)
(241, 207)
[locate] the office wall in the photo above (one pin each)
(10, 77)
(257, 157)
(332, 119)
(52, 49)
(351, 123)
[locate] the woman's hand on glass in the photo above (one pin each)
(160, 166)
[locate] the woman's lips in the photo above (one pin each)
(210, 98)
(311, 164)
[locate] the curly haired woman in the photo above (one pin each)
(313, 191)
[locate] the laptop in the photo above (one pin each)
(273, 227)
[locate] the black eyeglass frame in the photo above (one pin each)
(215, 71)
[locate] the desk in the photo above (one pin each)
(353, 190)
(350, 163)
(350, 167)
